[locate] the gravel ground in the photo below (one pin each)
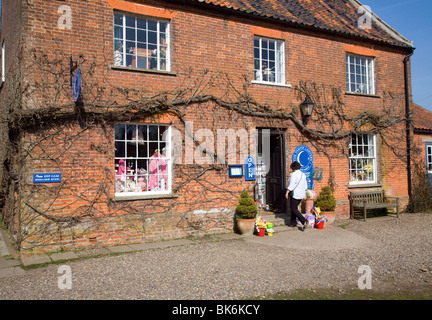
(400, 258)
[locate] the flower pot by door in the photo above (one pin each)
(246, 226)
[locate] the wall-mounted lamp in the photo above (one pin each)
(306, 108)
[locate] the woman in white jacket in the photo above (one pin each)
(297, 186)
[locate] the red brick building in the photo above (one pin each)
(171, 94)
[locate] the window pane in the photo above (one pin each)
(141, 23)
(143, 150)
(120, 130)
(141, 36)
(118, 19)
(153, 133)
(130, 61)
(163, 133)
(152, 37)
(153, 148)
(119, 149)
(152, 25)
(130, 21)
(130, 34)
(118, 32)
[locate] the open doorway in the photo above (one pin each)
(271, 170)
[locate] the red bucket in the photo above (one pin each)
(321, 225)
(261, 232)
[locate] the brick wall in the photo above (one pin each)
(199, 40)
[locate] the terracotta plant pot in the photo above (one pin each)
(309, 205)
(246, 226)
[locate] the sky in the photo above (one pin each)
(412, 19)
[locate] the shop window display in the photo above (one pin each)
(141, 159)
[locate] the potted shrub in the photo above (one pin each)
(246, 213)
(326, 201)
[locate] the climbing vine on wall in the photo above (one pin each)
(46, 128)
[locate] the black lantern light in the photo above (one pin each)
(306, 108)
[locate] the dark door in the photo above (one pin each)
(275, 178)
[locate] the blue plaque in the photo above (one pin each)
(46, 177)
(76, 85)
(303, 154)
(250, 169)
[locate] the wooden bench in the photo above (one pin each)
(371, 200)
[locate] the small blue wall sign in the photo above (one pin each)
(235, 171)
(303, 154)
(46, 177)
(76, 85)
(250, 169)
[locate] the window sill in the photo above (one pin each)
(362, 95)
(131, 197)
(271, 84)
(169, 73)
(366, 185)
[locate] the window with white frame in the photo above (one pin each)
(362, 158)
(142, 159)
(141, 42)
(269, 60)
(360, 74)
(429, 157)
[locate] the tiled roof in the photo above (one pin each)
(422, 118)
(340, 16)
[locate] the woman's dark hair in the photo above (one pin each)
(295, 165)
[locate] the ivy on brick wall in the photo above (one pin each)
(49, 131)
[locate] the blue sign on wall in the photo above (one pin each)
(303, 154)
(250, 169)
(235, 171)
(76, 85)
(46, 177)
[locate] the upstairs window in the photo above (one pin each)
(362, 158)
(360, 74)
(269, 60)
(141, 43)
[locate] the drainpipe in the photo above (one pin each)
(408, 123)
